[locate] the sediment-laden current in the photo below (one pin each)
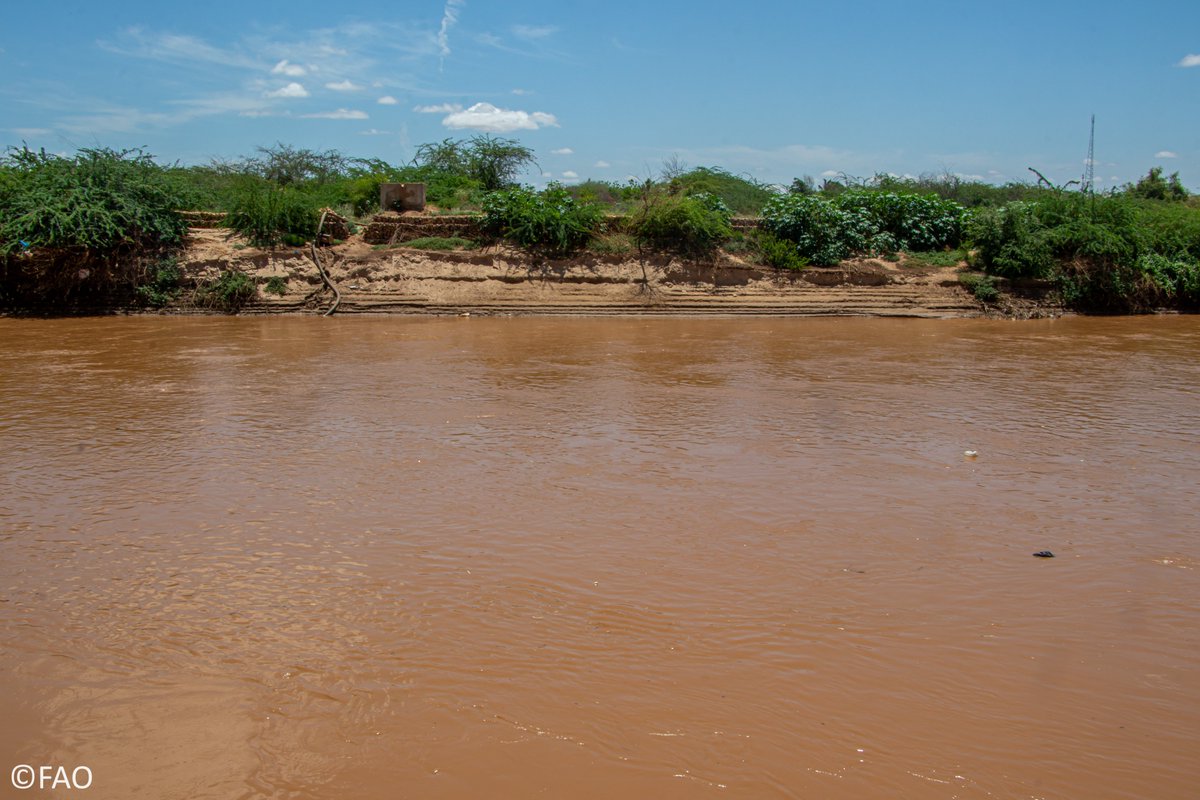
(463, 558)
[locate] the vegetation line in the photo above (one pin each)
(104, 228)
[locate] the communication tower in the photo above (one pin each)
(1089, 166)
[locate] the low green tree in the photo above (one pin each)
(1155, 187)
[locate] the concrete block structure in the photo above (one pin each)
(402, 197)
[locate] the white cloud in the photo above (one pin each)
(522, 91)
(387, 100)
(487, 117)
(291, 70)
(343, 86)
(563, 151)
(533, 31)
(547, 174)
(374, 132)
(341, 113)
(1190, 60)
(442, 108)
(31, 132)
(602, 165)
(570, 174)
(449, 20)
(829, 173)
(1166, 154)
(293, 89)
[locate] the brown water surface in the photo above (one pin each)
(465, 558)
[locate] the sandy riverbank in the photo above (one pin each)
(500, 280)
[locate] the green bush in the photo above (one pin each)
(101, 201)
(1171, 280)
(1109, 254)
(964, 191)
(75, 230)
(268, 215)
(1094, 242)
(693, 225)
(229, 292)
(982, 286)
(550, 222)
(1171, 228)
(739, 194)
(911, 221)
(1155, 187)
(609, 194)
(160, 286)
(1011, 241)
(201, 188)
(277, 285)
(859, 222)
(362, 192)
(1024, 239)
(778, 253)
(1152, 281)
(823, 233)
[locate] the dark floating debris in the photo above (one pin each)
(1043, 554)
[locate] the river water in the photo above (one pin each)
(508, 558)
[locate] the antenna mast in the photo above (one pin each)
(1089, 166)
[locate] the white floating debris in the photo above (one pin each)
(970, 453)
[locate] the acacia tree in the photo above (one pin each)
(494, 162)
(285, 165)
(491, 161)
(444, 156)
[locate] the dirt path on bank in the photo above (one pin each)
(500, 280)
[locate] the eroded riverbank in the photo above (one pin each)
(398, 279)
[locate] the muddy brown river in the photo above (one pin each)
(600, 558)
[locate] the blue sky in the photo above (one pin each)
(610, 90)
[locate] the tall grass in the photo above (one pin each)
(269, 215)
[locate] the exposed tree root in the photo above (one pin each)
(316, 257)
